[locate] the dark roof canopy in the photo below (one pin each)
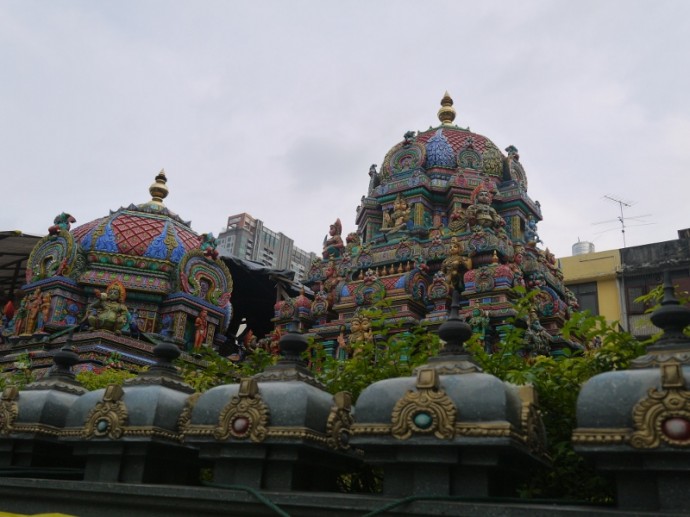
(15, 248)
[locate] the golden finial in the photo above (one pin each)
(447, 113)
(158, 189)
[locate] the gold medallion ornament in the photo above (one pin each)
(109, 417)
(245, 416)
(664, 415)
(339, 421)
(8, 409)
(425, 411)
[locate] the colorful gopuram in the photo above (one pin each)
(119, 285)
(447, 211)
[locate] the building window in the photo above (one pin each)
(586, 296)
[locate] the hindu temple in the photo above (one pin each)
(120, 284)
(447, 210)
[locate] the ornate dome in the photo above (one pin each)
(446, 146)
(147, 230)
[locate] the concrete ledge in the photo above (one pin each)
(84, 499)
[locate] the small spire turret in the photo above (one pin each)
(158, 189)
(447, 113)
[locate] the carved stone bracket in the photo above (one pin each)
(109, 417)
(8, 409)
(245, 416)
(664, 415)
(339, 421)
(425, 411)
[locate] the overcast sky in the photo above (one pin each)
(279, 108)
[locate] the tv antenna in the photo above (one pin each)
(621, 219)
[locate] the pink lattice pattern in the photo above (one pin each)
(80, 232)
(457, 139)
(134, 234)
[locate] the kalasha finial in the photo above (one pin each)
(158, 189)
(447, 113)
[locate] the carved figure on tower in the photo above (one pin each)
(201, 329)
(480, 214)
(45, 312)
(33, 308)
(333, 242)
(458, 219)
(374, 179)
(531, 235)
(455, 265)
(398, 217)
(360, 333)
(208, 245)
(409, 138)
(109, 311)
(61, 222)
(479, 322)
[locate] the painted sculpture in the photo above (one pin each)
(109, 311)
(333, 242)
(62, 222)
(446, 210)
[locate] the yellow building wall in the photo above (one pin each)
(602, 268)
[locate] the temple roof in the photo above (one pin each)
(149, 229)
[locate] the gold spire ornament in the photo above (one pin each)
(447, 113)
(158, 189)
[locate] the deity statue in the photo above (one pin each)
(360, 333)
(479, 322)
(201, 329)
(333, 242)
(208, 245)
(134, 329)
(109, 311)
(516, 267)
(397, 218)
(45, 312)
(409, 138)
(61, 222)
(331, 279)
(20, 317)
(458, 219)
(342, 351)
(352, 243)
(374, 179)
(455, 265)
(481, 215)
(387, 220)
(33, 310)
(537, 338)
(531, 236)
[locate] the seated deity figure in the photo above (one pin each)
(396, 219)
(109, 312)
(333, 242)
(481, 215)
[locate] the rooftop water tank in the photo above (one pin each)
(583, 247)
